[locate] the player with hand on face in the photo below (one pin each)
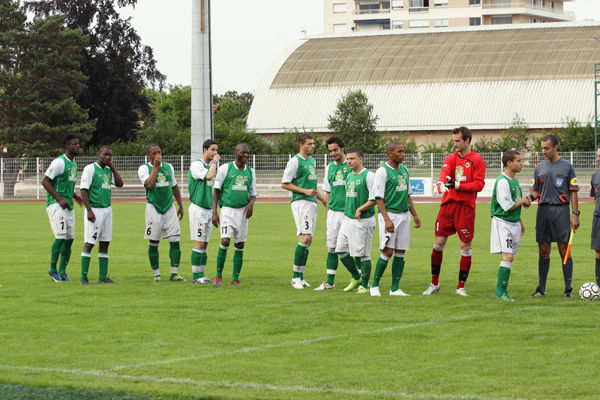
(162, 221)
(356, 233)
(507, 226)
(234, 191)
(200, 185)
(59, 181)
(95, 186)
(392, 193)
(300, 178)
(461, 178)
(556, 186)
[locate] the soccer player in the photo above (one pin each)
(392, 194)
(300, 178)
(334, 185)
(555, 185)
(461, 178)
(356, 232)
(235, 192)
(95, 186)
(200, 184)
(59, 182)
(595, 193)
(162, 221)
(507, 226)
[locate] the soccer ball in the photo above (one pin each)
(589, 291)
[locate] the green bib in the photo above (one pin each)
(200, 190)
(306, 178)
(161, 195)
(516, 194)
(64, 184)
(235, 190)
(397, 185)
(357, 194)
(100, 187)
(336, 176)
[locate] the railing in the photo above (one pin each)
(518, 4)
(373, 11)
(21, 177)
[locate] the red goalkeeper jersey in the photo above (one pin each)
(469, 174)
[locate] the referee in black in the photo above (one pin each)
(556, 186)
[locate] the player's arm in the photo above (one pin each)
(371, 202)
(149, 183)
(86, 202)
(177, 195)
(367, 206)
(322, 199)
(215, 201)
(212, 169)
(53, 171)
(297, 189)
(389, 225)
(249, 210)
(522, 227)
(575, 209)
(84, 186)
(380, 180)
(78, 199)
(116, 175)
(413, 212)
(478, 182)
(446, 174)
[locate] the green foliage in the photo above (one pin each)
(516, 137)
(177, 105)
(288, 143)
(229, 135)
(438, 148)
(486, 145)
(410, 146)
(40, 79)
(575, 137)
(230, 110)
(246, 98)
(354, 122)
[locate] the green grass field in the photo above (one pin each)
(264, 340)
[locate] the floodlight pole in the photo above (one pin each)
(596, 95)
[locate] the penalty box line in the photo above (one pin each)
(256, 386)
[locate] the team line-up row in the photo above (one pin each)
(351, 193)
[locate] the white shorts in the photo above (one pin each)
(200, 223)
(233, 222)
(400, 238)
(356, 237)
(305, 216)
(62, 221)
(505, 236)
(99, 230)
(160, 226)
(334, 224)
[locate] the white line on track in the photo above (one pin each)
(257, 386)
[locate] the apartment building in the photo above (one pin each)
(341, 16)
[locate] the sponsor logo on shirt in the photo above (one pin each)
(458, 174)
(313, 173)
(161, 180)
(350, 190)
(105, 183)
(73, 174)
(401, 187)
(240, 183)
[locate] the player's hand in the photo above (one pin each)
(180, 213)
(79, 200)
(310, 192)
(389, 226)
(90, 216)
(63, 203)
(526, 201)
(440, 188)
(417, 222)
(522, 228)
(574, 222)
(357, 214)
(215, 219)
(217, 157)
(157, 161)
(450, 184)
(248, 211)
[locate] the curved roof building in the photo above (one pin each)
(436, 79)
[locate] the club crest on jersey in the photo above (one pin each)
(467, 164)
(559, 181)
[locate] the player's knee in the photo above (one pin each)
(225, 242)
(439, 247)
(239, 245)
(306, 239)
(387, 252)
(87, 247)
(507, 257)
(200, 245)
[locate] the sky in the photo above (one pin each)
(248, 36)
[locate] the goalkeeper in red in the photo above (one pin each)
(461, 178)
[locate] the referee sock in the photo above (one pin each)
(380, 267)
(465, 267)
(153, 256)
(54, 253)
(103, 266)
(598, 271)
(437, 254)
(174, 256)
(85, 264)
(221, 257)
(543, 268)
(365, 271)
(397, 270)
(568, 274)
(65, 256)
(350, 265)
(199, 258)
(238, 260)
(332, 265)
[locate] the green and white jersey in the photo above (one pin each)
(161, 195)
(360, 188)
(393, 187)
(200, 189)
(97, 181)
(62, 173)
(302, 172)
(334, 183)
(236, 185)
(506, 193)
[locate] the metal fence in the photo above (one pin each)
(20, 178)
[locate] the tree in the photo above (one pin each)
(354, 122)
(575, 137)
(516, 137)
(288, 143)
(116, 63)
(39, 81)
(410, 146)
(245, 98)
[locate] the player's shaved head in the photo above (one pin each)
(150, 146)
(241, 147)
(103, 148)
(392, 146)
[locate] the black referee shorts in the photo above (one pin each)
(596, 233)
(553, 223)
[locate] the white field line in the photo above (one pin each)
(257, 386)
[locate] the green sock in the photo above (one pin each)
(198, 260)
(174, 254)
(85, 264)
(365, 273)
(103, 266)
(54, 253)
(298, 258)
(397, 270)
(380, 267)
(332, 265)
(65, 256)
(357, 262)
(502, 285)
(350, 266)
(221, 256)
(153, 256)
(238, 260)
